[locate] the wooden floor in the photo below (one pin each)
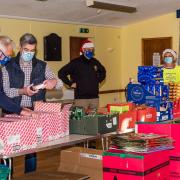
(46, 161)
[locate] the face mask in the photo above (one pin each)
(5, 60)
(88, 54)
(27, 56)
(168, 60)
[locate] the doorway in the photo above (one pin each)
(152, 45)
(75, 45)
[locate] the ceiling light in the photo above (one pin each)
(99, 11)
(42, 0)
(109, 6)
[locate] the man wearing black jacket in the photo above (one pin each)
(86, 73)
(6, 50)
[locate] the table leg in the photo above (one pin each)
(87, 144)
(102, 141)
(107, 143)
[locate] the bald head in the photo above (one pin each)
(6, 45)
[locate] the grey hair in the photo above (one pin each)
(5, 41)
(27, 39)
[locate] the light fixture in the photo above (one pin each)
(42, 0)
(109, 6)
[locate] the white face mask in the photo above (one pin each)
(27, 56)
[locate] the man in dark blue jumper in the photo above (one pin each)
(6, 50)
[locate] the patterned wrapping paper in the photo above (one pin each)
(47, 107)
(17, 135)
(50, 126)
(65, 114)
(55, 121)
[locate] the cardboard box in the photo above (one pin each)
(94, 124)
(47, 107)
(129, 166)
(82, 160)
(175, 166)
(127, 120)
(17, 135)
(45, 175)
(120, 107)
(176, 108)
(172, 130)
(147, 114)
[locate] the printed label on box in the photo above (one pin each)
(13, 139)
(114, 120)
(39, 131)
(92, 156)
(109, 125)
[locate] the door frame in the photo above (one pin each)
(142, 45)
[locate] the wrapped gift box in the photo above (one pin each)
(47, 107)
(120, 108)
(49, 126)
(176, 108)
(130, 166)
(65, 116)
(127, 120)
(147, 114)
(54, 121)
(17, 134)
(175, 166)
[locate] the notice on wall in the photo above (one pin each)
(171, 75)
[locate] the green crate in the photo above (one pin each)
(94, 124)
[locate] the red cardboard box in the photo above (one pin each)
(129, 166)
(121, 107)
(17, 135)
(176, 108)
(147, 114)
(175, 166)
(127, 120)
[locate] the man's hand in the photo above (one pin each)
(29, 113)
(26, 112)
(50, 83)
(74, 86)
(27, 91)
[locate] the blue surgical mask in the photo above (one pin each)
(5, 60)
(168, 60)
(88, 54)
(27, 56)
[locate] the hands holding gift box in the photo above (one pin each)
(33, 89)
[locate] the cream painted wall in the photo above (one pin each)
(107, 46)
(131, 36)
(119, 50)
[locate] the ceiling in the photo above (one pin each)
(76, 11)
